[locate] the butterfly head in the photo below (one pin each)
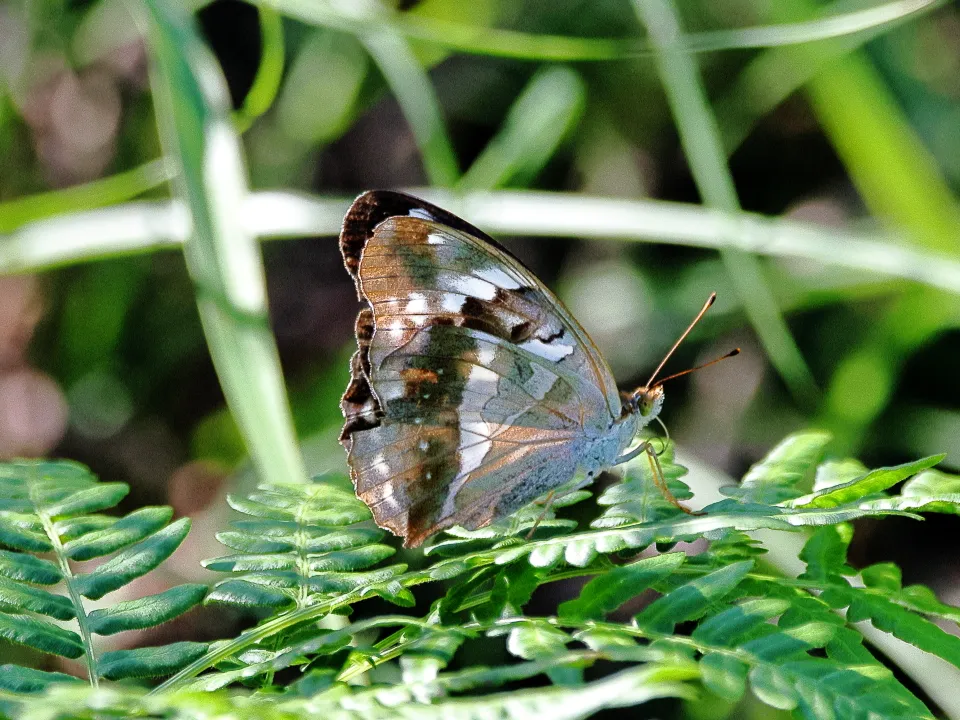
(645, 402)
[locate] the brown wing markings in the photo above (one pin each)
(508, 314)
(572, 387)
(490, 343)
(491, 412)
(359, 405)
(374, 206)
(412, 232)
(419, 390)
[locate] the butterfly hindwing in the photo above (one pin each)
(473, 391)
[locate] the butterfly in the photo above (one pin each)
(473, 390)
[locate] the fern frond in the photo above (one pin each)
(878, 596)
(437, 698)
(55, 508)
(785, 473)
(736, 626)
(303, 547)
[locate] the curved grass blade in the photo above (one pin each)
(222, 255)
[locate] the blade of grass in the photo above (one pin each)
(772, 76)
(549, 107)
(411, 86)
(150, 226)
(222, 255)
(700, 138)
(97, 193)
(900, 181)
(529, 46)
(266, 83)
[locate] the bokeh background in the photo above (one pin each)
(845, 150)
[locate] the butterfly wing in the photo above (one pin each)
(473, 390)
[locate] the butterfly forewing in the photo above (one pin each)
(473, 390)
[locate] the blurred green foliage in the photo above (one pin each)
(844, 116)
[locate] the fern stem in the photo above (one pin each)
(303, 563)
(90, 657)
(256, 635)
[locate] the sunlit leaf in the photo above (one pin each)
(149, 661)
(133, 562)
(146, 611)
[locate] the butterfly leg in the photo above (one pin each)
(636, 452)
(660, 481)
(547, 501)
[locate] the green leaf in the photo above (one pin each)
(313, 507)
(14, 678)
(692, 599)
(727, 628)
(535, 641)
(825, 553)
(922, 599)
(903, 624)
(430, 653)
(17, 596)
(395, 593)
(248, 594)
(18, 566)
(837, 472)
(785, 473)
(638, 499)
(299, 545)
(21, 531)
(353, 559)
(149, 661)
(255, 536)
(147, 611)
(99, 497)
(329, 582)
(724, 676)
(73, 527)
(935, 484)
(608, 591)
(872, 482)
(35, 633)
(512, 589)
(340, 560)
(125, 531)
(133, 562)
(883, 576)
(778, 647)
(772, 687)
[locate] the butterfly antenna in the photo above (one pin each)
(703, 310)
(732, 353)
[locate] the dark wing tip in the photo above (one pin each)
(373, 207)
